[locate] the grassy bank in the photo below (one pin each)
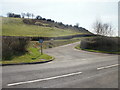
(33, 55)
(16, 27)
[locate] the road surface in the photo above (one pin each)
(71, 69)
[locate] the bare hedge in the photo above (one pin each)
(12, 46)
(101, 43)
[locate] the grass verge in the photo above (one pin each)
(33, 55)
(91, 50)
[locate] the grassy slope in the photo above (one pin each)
(15, 27)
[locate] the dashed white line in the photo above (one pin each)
(84, 59)
(65, 45)
(100, 68)
(76, 49)
(39, 80)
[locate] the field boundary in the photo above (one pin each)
(55, 38)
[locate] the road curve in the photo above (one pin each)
(71, 69)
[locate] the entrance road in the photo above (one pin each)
(71, 69)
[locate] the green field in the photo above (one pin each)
(16, 27)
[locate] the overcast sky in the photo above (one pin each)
(84, 12)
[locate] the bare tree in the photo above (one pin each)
(77, 24)
(103, 29)
(28, 15)
(32, 15)
(23, 15)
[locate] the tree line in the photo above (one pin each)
(38, 17)
(28, 15)
(22, 15)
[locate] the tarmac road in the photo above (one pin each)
(71, 69)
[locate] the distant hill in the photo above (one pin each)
(39, 28)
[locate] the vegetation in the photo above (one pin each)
(91, 50)
(19, 50)
(16, 27)
(19, 16)
(33, 55)
(13, 15)
(55, 43)
(52, 23)
(101, 44)
(104, 29)
(13, 47)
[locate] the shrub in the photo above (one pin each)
(29, 21)
(12, 46)
(38, 23)
(49, 20)
(101, 43)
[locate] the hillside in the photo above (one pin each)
(36, 28)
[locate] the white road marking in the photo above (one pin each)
(76, 49)
(39, 80)
(107, 67)
(65, 45)
(68, 44)
(84, 59)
